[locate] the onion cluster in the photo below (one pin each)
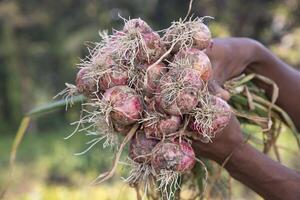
(128, 82)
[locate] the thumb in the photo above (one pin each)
(218, 91)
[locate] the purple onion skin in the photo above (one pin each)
(141, 147)
(137, 24)
(115, 78)
(219, 122)
(154, 48)
(85, 84)
(162, 128)
(199, 61)
(152, 78)
(186, 99)
(127, 105)
(175, 156)
(202, 37)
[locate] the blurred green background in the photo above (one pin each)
(42, 40)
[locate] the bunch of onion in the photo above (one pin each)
(151, 97)
(153, 92)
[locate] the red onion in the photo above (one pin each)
(152, 77)
(151, 49)
(141, 147)
(116, 76)
(175, 156)
(85, 83)
(188, 34)
(220, 113)
(162, 127)
(136, 24)
(201, 35)
(179, 91)
(126, 104)
(195, 59)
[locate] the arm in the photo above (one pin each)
(268, 178)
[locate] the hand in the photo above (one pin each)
(265, 176)
(223, 144)
(231, 56)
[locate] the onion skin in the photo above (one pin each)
(153, 49)
(187, 77)
(114, 78)
(152, 77)
(127, 105)
(116, 94)
(137, 24)
(141, 147)
(85, 84)
(169, 125)
(121, 129)
(186, 98)
(198, 60)
(153, 106)
(109, 72)
(188, 159)
(219, 122)
(175, 156)
(201, 37)
(168, 39)
(163, 127)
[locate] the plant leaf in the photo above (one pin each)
(55, 105)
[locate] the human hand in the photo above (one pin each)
(231, 56)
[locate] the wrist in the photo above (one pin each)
(234, 156)
(239, 158)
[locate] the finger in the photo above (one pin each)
(209, 49)
(222, 93)
(218, 91)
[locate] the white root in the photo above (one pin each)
(107, 175)
(67, 94)
(168, 183)
(171, 89)
(141, 175)
(181, 32)
(205, 115)
(95, 121)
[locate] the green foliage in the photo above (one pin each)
(54, 105)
